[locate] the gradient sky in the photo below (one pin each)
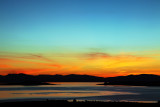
(95, 37)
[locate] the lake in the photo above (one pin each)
(80, 91)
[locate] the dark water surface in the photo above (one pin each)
(80, 91)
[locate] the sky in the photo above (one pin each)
(93, 37)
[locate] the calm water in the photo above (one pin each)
(80, 91)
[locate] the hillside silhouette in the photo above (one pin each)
(24, 79)
(137, 80)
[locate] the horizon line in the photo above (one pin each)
(72, 74)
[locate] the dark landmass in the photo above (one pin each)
(24, 79)
(27, 83)
(75, 103)
(134, 80)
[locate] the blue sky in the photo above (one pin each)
(121, 24)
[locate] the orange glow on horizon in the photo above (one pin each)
(96, 64)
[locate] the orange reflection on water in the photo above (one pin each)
(55, 93)
(62, 89)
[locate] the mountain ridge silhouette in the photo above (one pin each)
(141, 79)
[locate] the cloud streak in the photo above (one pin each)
(27, 63)
(26, 56)
(96, 55)
(102, 55)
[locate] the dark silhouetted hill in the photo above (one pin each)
(137, 80)
(24, 79)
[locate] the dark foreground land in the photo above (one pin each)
(54, 103)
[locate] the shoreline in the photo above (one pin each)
(27, 83)
(73, 98)
(129, 85)
(121, 84)
(74, 102)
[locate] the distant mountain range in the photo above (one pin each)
(50, 78)
(142, 79)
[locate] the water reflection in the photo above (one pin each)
(87, 91)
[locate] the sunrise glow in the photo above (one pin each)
(106, 38)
